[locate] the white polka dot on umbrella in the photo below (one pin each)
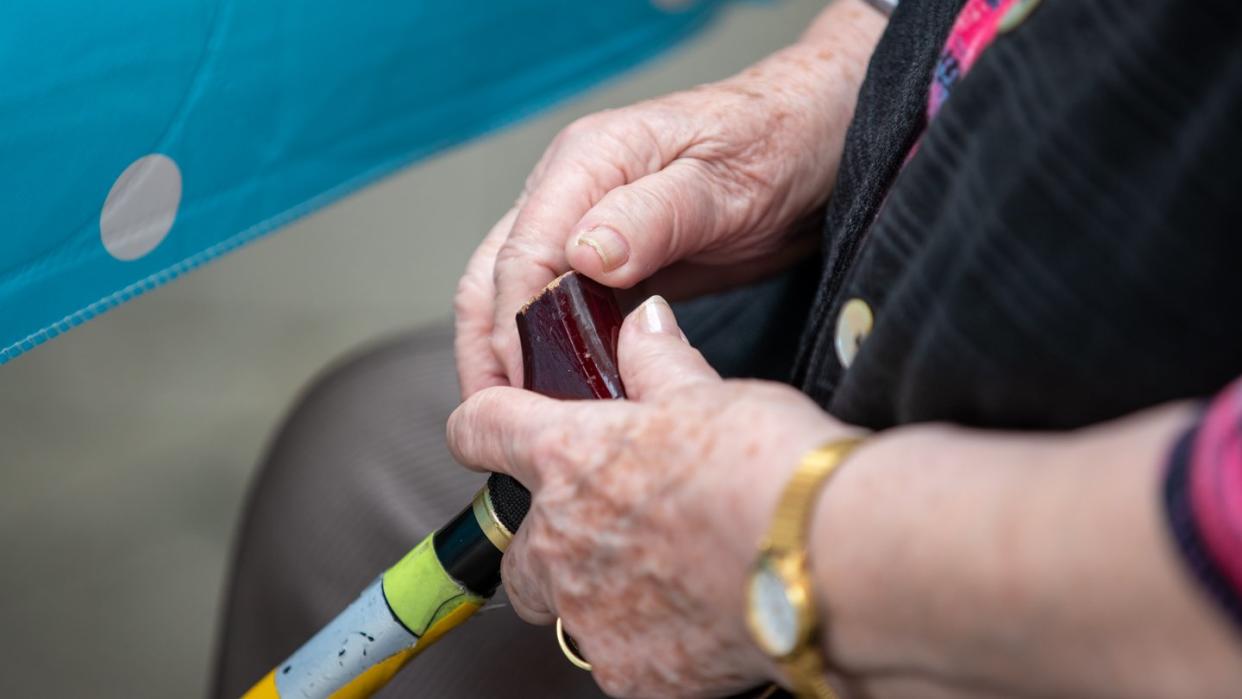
(141, 207)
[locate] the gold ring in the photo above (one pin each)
(569, 648)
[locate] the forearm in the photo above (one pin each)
(829, 60)
(835, 50)
(1020, 564)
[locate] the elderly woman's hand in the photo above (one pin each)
(715, 179)
(948, 563)
(646, 512)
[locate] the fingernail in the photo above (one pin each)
(612, 249)
(658, 317)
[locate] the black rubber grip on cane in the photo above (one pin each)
(510, 500)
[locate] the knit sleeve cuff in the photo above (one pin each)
(1203, 500)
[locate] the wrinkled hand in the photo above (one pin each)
(699, 190)
(646, 512)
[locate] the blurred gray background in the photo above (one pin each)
(126, 445)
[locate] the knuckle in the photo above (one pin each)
(488, 403)
(469, 296)
(529, 186)
(656, 200)
(462, 434)
(470, 422)
(512, 251)
(622, 138)
(520, 587)
(510, 573)
(530, 244)
(598, 174)
(458, 426)
(502, 343)
(585, 126)
(525, 610)
(513, 569)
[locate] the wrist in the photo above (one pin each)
(769, 479)
(823, 73)
(867, 550)
(920, 551)
(823, 70)
(779, 582)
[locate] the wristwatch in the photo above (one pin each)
(780, 605)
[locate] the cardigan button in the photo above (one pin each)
(853, 325)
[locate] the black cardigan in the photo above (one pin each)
(1064, 246)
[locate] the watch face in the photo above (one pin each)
(773, 615)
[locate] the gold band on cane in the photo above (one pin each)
(485, 515)
(567, 647)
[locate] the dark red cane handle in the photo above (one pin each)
(569, 337)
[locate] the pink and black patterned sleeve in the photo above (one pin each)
(1203, 499)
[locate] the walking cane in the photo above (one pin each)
(569, 338)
